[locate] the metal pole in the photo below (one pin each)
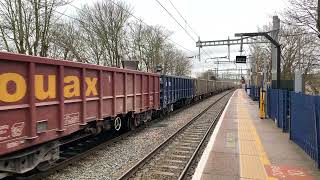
(241, 46)
(299, 52)
(275, 72)
(199, 49)
(229, 48)
(278, 66)
(318, 20)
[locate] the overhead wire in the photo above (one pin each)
(69, 16)
(175, 20)
(188, 25)
(180, 24)
(183, 18)
(140, 20)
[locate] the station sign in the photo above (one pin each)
(241, 59)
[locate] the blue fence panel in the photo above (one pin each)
(299, 114)
(274, 94)
(268, 110)
(317, 116)
(254, 93)
(286, 110)
(281, 108)
(303, 130)
(257, 94)
(283, 111)
(251, 91)
(278, 107)
(272, 105)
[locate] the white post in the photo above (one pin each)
(275, 36)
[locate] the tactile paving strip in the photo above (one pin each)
(250, 148)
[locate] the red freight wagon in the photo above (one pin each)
(42, 100)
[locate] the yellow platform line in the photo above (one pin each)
(253, 158)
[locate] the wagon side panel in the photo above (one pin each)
(14, 105)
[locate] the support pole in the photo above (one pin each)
(318, 19)
(241, 46)
(229, 48)
(199, 49)
(278, 66)
(275, 54)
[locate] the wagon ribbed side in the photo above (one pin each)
(43, 99)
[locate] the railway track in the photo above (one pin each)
(172, 158)
(74, 151)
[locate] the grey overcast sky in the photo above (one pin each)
(210, 19)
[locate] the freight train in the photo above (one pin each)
(43, 101)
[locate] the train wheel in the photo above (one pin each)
(117, 123)
(134, 123)
(171, 107)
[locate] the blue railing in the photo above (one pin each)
(303, 129)
(283, 110)
(278, 107)
(254, 93)
(272, 103)
(298, 114)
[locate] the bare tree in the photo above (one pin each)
(300, 51)
(25, 25)
(104, 25)
(147, 43)
(302, 13)
(183, 65)
(67, 42)
(151, 47)
(318, 19)
(101, 34)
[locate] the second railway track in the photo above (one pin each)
(172, 158)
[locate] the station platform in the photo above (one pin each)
(243, 146)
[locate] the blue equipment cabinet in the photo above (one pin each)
(174, 89)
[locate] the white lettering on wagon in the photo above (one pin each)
(14, 144)
(17, 129)
(71, 118)
(4, 129)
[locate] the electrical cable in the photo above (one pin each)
(139, 19)
(176, 21)
(183, 18)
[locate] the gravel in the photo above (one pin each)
(194, 163)
(112, 161)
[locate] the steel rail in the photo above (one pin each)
(212, 126)
(129, 173)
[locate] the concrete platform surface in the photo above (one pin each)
(243, 146)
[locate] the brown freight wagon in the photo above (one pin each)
(211, 86)
(200, 87)
(42, 100)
